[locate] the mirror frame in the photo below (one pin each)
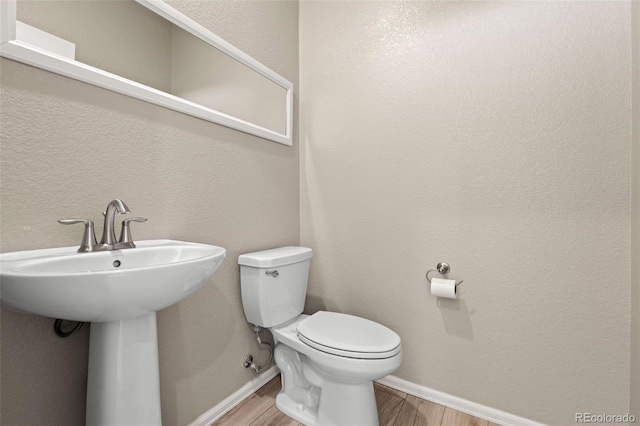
(16, 50)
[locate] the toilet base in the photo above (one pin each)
(311, 398)
(295, 410)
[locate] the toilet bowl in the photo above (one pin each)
(328, 360)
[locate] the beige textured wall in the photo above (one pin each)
(212, 78)
(68, 148)
(635, 227)
(121, 37)
(494, 136)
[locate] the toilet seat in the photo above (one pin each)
(348, 336)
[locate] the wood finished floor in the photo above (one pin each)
(395, 408)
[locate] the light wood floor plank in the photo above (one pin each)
(395, 408)
(378, 387)
(419, 412)
(389, 404)
(275, 417)
(251, 408)
(456, 418)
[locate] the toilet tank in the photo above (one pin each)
(273, 284)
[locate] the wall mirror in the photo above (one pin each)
(150, 51)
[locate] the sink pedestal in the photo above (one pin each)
(123, 387)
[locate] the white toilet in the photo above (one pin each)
(328, 360)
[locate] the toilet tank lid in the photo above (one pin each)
(275, 257)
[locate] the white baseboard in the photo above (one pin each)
(236, 398)
(459, 404)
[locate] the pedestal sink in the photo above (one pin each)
(119, 292)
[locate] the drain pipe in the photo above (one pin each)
(248, 360)
(57, 327)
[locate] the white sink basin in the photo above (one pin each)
(108, 285)
(119, 292)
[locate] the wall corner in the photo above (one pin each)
(634, 392)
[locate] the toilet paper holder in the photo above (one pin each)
(442, 268)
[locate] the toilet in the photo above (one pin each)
(328, 360)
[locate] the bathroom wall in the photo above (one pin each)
(494, 136)
(68, 148)
(216, 80)
(121, 37)
(635, 224)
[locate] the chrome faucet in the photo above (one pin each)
(108, 231)
(109, 241)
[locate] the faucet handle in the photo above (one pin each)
(89, 236)
(125, 233)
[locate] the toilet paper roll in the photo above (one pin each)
(441, 287)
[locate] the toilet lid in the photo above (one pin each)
(348, 335)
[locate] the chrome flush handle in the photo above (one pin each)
(274, 274)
